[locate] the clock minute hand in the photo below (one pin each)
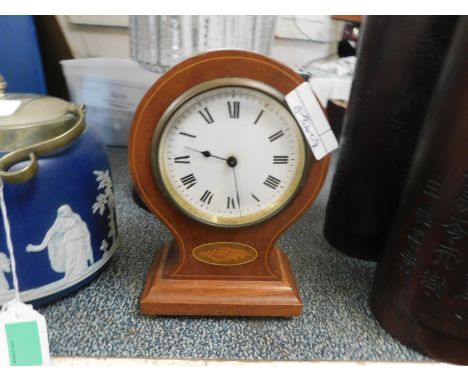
(232, 162)
(205, 153)
(237, 190)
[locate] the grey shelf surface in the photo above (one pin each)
(103, 319)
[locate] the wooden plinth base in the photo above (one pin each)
(169, 296)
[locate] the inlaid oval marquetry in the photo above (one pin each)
(225, 253)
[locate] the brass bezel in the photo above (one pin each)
(162, 179)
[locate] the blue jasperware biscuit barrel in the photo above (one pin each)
(59, 196)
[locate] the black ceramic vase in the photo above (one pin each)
(420, 292)
(399, 62)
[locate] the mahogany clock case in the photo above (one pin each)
(178, 282)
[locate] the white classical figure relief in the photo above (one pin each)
(68, 243)
(4, 268)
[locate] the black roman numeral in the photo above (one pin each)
(258, 117)
(189, 180)
(187, 134)
(183, 159)
(233, 109)
(206, 115)
(272, 182)
(230, 203)
(206, 197)
(257, 199)
(280, 159)
(275, 136)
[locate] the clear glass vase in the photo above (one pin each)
(159, 42)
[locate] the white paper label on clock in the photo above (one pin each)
(311, 119)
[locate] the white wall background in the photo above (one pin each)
(107, 36)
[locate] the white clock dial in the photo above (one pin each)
(231, 156)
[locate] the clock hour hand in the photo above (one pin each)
(205, 153)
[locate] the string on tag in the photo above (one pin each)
(6, 224)
(23, 331)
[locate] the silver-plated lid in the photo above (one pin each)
(27, 119)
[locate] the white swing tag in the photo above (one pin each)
(308, 113)
(23, 336)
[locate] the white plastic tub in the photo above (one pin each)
(111, 89)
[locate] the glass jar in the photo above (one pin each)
(159, 42)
